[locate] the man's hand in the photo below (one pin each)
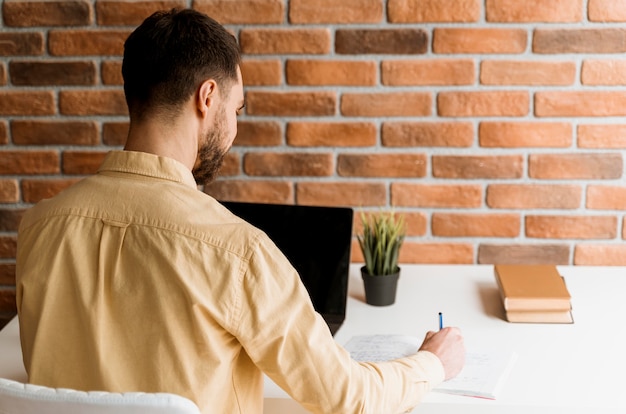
(448, 345)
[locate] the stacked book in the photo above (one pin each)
(534, 294)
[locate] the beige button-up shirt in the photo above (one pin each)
(133, 280)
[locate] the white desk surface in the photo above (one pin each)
(577, 368)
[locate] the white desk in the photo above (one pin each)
(578, 368)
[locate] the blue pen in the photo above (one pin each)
(440, 321)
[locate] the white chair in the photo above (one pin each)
(19, 398)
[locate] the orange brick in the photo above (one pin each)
(555, 41)
(8, 247)
(436, 253)
(87, 42)
(416, 222)
(21, 44)
(381, 165)
(30, 73)
(29, 162)
(10, 219)
(603, 72)
(332, 11)
(54, 133)
(576, 166)
(557, 254)
(381, 41)
(9, 191)
(20, 13)
(477, 166)
(27, 103)
(288, 164)
(427, 134)
(328, 72)
(483, 103)
(427, 195)
(3, 74)
(243, 11)
(291, 103)
(231, 165)
(601, 136)
(285, 41)
(277, 192)
(114, 133)
(514, 11)
(261, 72)
(580, 104)
(428, 72)
(4, 136)
(512, 72)
(483, 40)
(475, 225)
(33, 191)
(422, 11)
(525, 134)
(112, 72)
(534, 196)
(258, 134)
(341, 194)
(600, 255)
(131, 13)
(607, 10)
(606, 197)
(82, 162)
(571, 227)
(386, 104)
(92, 102)
(331, 134)
(7, 274)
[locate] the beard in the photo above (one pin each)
(211, 154)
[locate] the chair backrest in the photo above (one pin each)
(18, 398)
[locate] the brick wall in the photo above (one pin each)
(496, 126)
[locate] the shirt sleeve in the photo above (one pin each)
(291, 343)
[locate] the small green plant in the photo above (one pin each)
(380, 242)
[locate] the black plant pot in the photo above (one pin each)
(380, 290)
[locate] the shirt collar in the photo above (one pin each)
(149, 165)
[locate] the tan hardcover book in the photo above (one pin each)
(539, 316)
(532, 287)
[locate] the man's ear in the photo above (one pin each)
(207, 92)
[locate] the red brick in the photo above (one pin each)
(33, 73)
(243, 11)
(288, 164)
(82, 162)
(231, 165)
(475, 225)
(112, 72)
(277, 192)
(386, 104)
(8, 247)
(7, 274)
(4, 136)
(423, 11)
(258, 134)
(427, 195)
(92, 102)
(478, 166)
(427, 134)
(576, 166)
(555, 41)
(436, 253)
(285, 41)
(21, 44)
(557, 254)
(603, 72)
(606, 197)
(87, 42)
(600, 255)
(131, 13)
(331, 134)
(29, 162)
(602, 136)
(27, 103)
(10, 219)
(580, 104)
(381, 165)
(571, 227)
(341, 193)
(512, 72)
(483, 103)
(114, 133)
(332, 11)
(7, 300)
(525, 134)
(54, 133)
(428, 72)
(329, 72)
(528, 11)
(3, 74)
(534, 196)
(272, 103)
(261, 72)
(9, 191)
(381, 41)
(607, 10)
(36, 190)
(483, 40)
(20, 13)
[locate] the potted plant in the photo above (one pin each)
(380, 242)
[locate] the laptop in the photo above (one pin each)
(317, 242)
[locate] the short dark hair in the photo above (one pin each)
(170, 54)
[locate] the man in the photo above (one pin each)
(133, 280)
